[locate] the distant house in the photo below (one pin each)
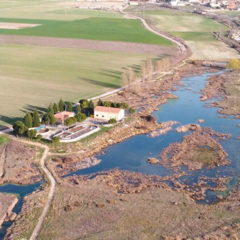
(107, 113)
(62, 116)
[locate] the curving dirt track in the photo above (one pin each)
(127, 47)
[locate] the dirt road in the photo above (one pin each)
(52, 183)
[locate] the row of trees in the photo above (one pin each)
(79, 117)
(112, 104)
(146, 71)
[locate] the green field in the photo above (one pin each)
(111, 29)
(196, 30)
(33, 76)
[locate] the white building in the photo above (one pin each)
(107, 113)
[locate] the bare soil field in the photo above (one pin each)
(18, 163)
(7, 203)
(89, 44)
(16, 26)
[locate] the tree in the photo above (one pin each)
(70, 121)
(78, 109)
(69, 106)
(55, 108)
(61, 105)
(31, 133)
(27, 120)
(100, 103)
(162, 65)
(55, 139)
(112, 121)
(36, 119)
(50, 109)
(52, 119)
(19, 128)
(46, 119)
(80, 117)
(90, 104)
(39, 137)
(147, 70)
(234, 64)
(107, 104)
(84, 103)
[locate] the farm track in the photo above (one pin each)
(127, 47)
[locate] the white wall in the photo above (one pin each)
(107, 116)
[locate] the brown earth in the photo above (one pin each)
(226, 86)
(7, 203)
(133, 206)
(197, 150)
(127, 47)
(18, 163)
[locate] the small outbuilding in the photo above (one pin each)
(62, 116)
(107, 113)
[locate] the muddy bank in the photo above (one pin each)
(18, 163)
(139, 124)
(225, 86)
(110, 196)
(197, 150)
(7, 203)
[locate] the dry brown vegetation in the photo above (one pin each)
(18, 163)
(144, 211)
(226, 85)
(197, 150)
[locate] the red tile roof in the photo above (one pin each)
(63, 115)
(107, 109)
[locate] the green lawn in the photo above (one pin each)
(111, 29)
(4, 139)
(36, 76)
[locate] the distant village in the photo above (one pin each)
(233, 5)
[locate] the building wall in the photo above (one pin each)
(107, 116)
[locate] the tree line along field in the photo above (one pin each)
(196, 30)
(97, 28)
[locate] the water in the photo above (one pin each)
(21, 191)
(188, 108)
(132, 154)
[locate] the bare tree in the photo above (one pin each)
(162, 65)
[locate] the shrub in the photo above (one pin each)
(39, 137)
(80, 117)
(55, 140)
(19, 128)
(234, 64)
(131, 110)
(112, 121)
(70, 121)
(28, 120)
(31, 133)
